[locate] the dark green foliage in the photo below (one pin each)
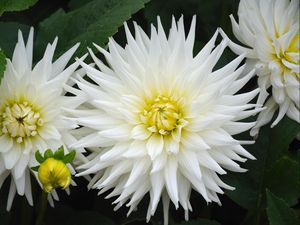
(94, 22)
(2, 63)
(279, 212)
(9, 36)
(15, 5)
(274, 168)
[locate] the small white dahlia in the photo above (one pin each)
(160, 121)
(31, 113)
(270, 28)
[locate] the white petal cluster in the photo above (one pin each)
(271, 29)
(31, 112)
(159, 120)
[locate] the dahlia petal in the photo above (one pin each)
(115, 151)
(206, 50)
(20, 184)
(116, 171)
(120, 132)
(188, 162)
(237, 127)
(18, 61)
(171, 145)
(184, 191)
(194, 141)
(155, 145)
(140, 132)
(293, 113)
(3, 176)
(138, 169)
(282, 111)
(11, 195)
(278, 95)
(6, 143)
(159, 163)
(157, 182)
(50, 132)
(135, 150)
(59, 65)
(241, 151)
(92, 140)
(29, 47)
(237, 48)
(206, 160)
(217, 137)
(21, 165)
(11, 157)
(170, 174)
(211, 184)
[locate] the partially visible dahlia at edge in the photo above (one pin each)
(161, 121)
(31, 113)
(270, 30)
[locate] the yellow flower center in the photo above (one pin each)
(20, 120)
(53, 174)
(290, 55)
(163, 115)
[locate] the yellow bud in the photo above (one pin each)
(53, 174)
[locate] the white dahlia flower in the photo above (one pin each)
(31, 114)
(160, 121)
(270, 28)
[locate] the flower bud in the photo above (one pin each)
(53, 174)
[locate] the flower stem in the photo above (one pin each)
(42, 209)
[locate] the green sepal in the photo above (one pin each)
(39, 157)
(69, 157)
(59, 154)
(48, 154)
(35, 168)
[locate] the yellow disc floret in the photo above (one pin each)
(287, 55)
(20, 120)
(53, 174)
(162, 115)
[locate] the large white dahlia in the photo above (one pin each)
(270, 28)
(31, 112)
(160, 121)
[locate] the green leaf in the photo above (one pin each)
(39, 157)
(15, 5)
(2, 63)
(199, 222)
(287, 170)
(69, 157)
(279, 212)
(48, 154)
(93, 22)
(59, 153)
(9, 36)
(273, 164)
(35, 168)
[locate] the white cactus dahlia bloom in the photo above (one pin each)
(31, 115)
(160, 121)
(270, 28)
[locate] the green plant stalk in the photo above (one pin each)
(42, 209)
